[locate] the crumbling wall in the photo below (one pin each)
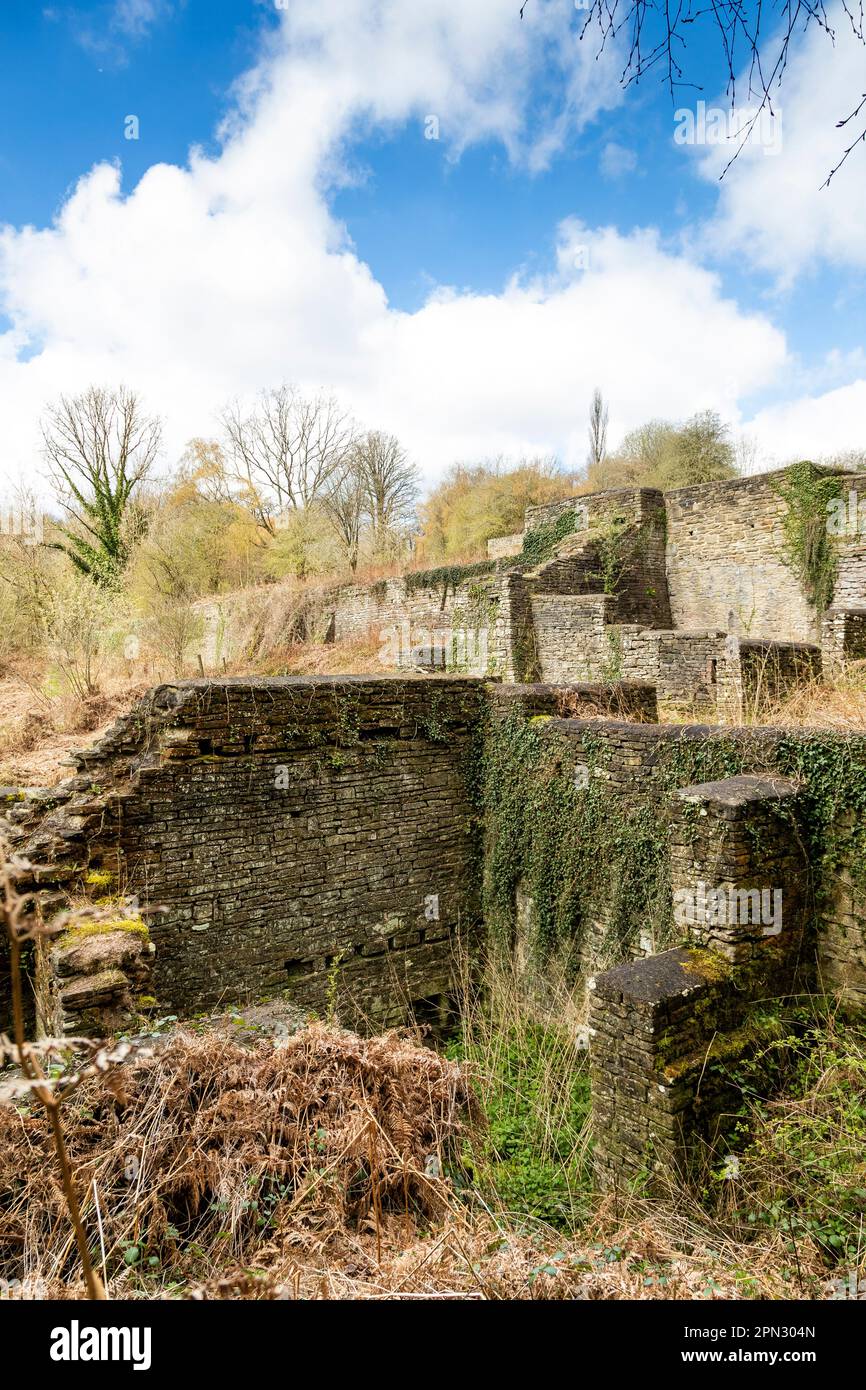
(313, 836)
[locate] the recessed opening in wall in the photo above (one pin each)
(205, 746)
(249, 742)
(712, 665)
(299, 969)
(436, 1015)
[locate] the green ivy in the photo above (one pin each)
(541, 542)
(809, 549)
(446, 576)
(593, 853)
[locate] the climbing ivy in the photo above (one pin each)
(588, 853)
(446, 576)
(808, 546)
(541, 542)
(575, 848)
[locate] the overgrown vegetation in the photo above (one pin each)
(588, 855)
(530, 1160)
(801, 1174)
(809, 548)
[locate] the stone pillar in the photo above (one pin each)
(647, 1023)
(738, 867)
(665, 1031)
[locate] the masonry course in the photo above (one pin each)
(323, 838)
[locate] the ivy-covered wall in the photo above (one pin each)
(577, 812)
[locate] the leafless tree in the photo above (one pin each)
(390, 483)
(286, 452)
(100, 447)
(598, 417)
(346, 505)
(750, 37)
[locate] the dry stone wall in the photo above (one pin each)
(322, 838)
(301, 835)
(646, 587)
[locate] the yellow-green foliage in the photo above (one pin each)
(98, 878)
(472, 504)
(709, 965)
(111, 924)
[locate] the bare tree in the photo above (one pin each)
(100, 447)
(346, 506)
(747, 35)
(390, 483)
(286, 452)
(598, 417)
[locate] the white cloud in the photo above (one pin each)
(231, 274)
(108, 33)
(772, 210)
(813, 426)
(135, 17)
(617, 160)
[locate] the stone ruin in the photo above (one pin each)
(326, 839)
(691, 591)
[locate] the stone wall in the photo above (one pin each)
(313, 836)
(658, 1026)
(843, 635)
(571, 635)
(760, 674)
(502, 547)
(850, 589)
(631, 760)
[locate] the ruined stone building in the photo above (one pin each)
(355, 840)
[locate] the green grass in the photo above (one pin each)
(529, 1156)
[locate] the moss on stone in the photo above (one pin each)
(98, 878)
(112, 924)
(759, 1028)
(709, 965)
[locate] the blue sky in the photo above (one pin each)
(329, 160)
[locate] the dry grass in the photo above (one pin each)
(356, 656)
(835, 702)
(37, 731)
(207, 1154)
(318, 1169)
